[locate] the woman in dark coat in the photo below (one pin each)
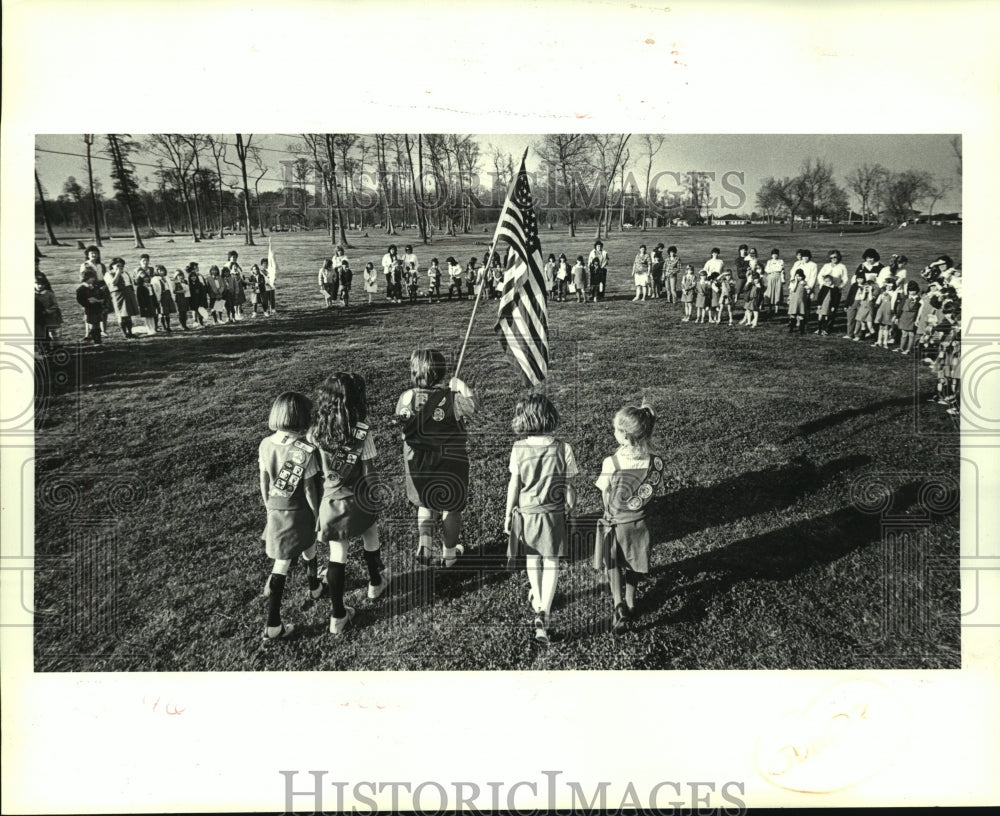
(198, 292)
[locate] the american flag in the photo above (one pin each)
(522, 318)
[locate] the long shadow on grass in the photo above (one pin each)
(426, 587)
(696, 508)
(821, 424)
(122, 362)
(775, 556)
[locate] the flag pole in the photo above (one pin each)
(493, 246)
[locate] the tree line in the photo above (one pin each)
(207, 185)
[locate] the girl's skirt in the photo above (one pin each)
(289, 532)
(537, 533)
(343, 519)
(439, 483)
(628, 539)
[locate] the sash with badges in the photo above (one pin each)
(346, 458)
(293, 469)
(644, 490)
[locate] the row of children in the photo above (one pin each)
(320, 487)
(584, 279)
(152, 295)
(405, 279)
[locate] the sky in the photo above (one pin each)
(743, 160)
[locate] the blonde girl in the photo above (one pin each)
(688, 283)
(539, 495)
(628, 480)
(435, 458)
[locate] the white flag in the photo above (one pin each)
(272, 264)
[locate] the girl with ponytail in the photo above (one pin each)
(628, 480)
(350, 488)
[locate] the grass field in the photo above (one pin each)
(810, 520)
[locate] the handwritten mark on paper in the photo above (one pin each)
(160, 705)
(848, 734)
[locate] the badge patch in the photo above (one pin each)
(657, 463)
(635, 503)
(297, 456)
(644, 491)
(654, 478)
(438, 414)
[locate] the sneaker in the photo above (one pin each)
(450, 562)
(541, 637)
(376, 591)
(619, 618)
(319, 592)
(856, 339)
(285, 632)
(952, 411)
(339, 625)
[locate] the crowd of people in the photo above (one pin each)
(317, 476)
(885, 305)
(151, 296)
(320, 488)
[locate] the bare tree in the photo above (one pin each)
(606, 156)
(417, 197)
(217, 146)
(316, 143)
(174, 148)
(467, 159)
(903, 191)
(864, 182)
(770, 197)
(194, 144)
(364, 147)
(88, 139)
(51, 236)
(382, 173)
(258, 160)
(242, 146)
(568, 154)
(330, 140)
(816, 180)
(792, 193)
(123, 175)
(936, 190)
(652, 145)
(698, 188)
(622, 192)
(440, 155)
(344, 143)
